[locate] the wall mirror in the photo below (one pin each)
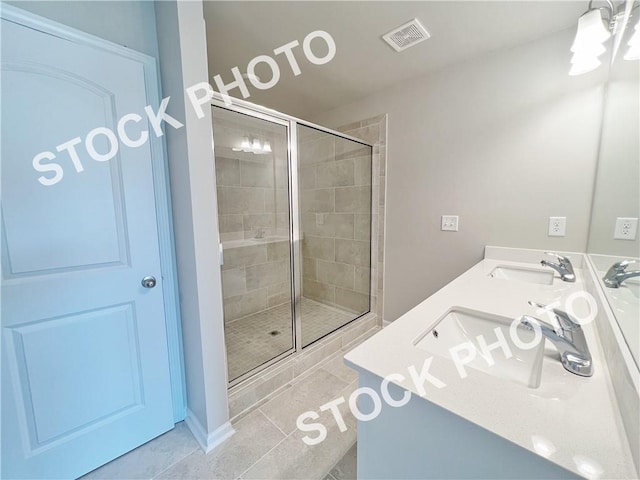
(617, 192)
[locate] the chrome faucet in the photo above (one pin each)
(617, 273)
(563, 267)
(568, 338)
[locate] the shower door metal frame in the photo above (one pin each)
(291, 123)
(295, 329)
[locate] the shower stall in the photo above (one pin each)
(294, 213)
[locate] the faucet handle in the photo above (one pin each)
(561, 258)
(622, 265)
(563, 318)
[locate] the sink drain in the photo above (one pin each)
(435, 333)
(273, 333)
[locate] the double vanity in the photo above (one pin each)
(489, 396)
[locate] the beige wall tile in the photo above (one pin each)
(254, 221)
(233, 282)
(230, 223)
(281, 196)
(282, 222)
(354, 252)
(339, 225)
(278, 251)
(278, 294)
(362, 171)
(350, 149)
(362, 227)
(318, 247)
(353, 199)
(335, 174)
(309, 268)
(369, 133)
(257, 174)
(267, 274)
(246, 304)
(281, 171)
(357, 302)
(362, 279)
(339, 274)
(243, 256)
(233, 200)
(316, 151)
(307, 177)
(319, 291)
(318, 200)
(227, 171)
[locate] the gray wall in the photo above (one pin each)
(504, 141)
(184, 63)
(128, 23)
(616, 193)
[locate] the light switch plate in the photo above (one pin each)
(557, 226)
(449, 223)
(626, 228)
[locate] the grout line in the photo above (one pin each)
(176, 462)
(267, 453)
(271, 421)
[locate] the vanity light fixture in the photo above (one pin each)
(588, 44)
(595, 29)
(253, 145)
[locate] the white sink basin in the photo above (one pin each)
(459, 336)
(522, 274)
(632, 286)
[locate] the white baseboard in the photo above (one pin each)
(208, 441)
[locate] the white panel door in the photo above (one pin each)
(85, 369)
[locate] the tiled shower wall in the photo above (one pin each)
(374, 131)
(335, 204)
(253, 202)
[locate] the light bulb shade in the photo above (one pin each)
(256, 145)
(245, 145)
(594, 49)
(634, 45)
(583, 63)
(591, 29)
(266, 147)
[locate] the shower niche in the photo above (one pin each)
(294, 214)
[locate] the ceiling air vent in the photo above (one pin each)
(407, 35)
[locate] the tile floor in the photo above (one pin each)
(250, 341)
(266, 445)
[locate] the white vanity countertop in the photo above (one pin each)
(572, 421)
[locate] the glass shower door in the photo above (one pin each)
(252, 179)
(335, 185)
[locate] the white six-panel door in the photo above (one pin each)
(85, 369)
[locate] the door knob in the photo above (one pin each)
(148, 282)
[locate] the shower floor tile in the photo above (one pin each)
(257, 338)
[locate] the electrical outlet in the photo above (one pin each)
(557, 226)
(449, 223)
(626, 228)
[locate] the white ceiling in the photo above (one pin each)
(238, 31)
